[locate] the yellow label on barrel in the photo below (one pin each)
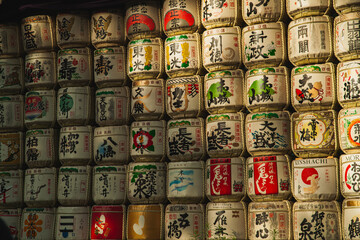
(183, 55)
(145, 59)
(145, 222)
(314, 134)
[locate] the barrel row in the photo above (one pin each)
(281, 220)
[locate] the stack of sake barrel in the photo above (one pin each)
(347, 51)
(267, 127)
(225, 177)
(11, 126)
(40, 181)
(315, 183)
(74, 115)
(110, 145)
(146, 175)
(185, 143)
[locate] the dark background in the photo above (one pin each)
(14, 10)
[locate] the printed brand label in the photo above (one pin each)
(107, 27)
(40, 69)
(309, 37)
(314, 131)
(350, 175)
(37, 223)
(144, 56)
(9, 35)
(39, 106)
(312, 86)
(109, 65)
(185, 180)
(39, 147)
(109, 185)
(218, 11)
(184, 221)
(315, 179)
(142, 18)
(40, 185)
(146, 182)
(270, 220)
(73, 184)
(37, 33)
(265, 175)
(179, 16)
(11, 112)
(347, 29)
(266, 87)
(147, 139)
(221, 90)
(226, 220)
(11, 147)
(350, 218)
(111, 147)
(73, 103)
(72, 28)
(112, 106)
(185, 139)
(139, 219)
(183, 95)
(254, 11)
(182, 53)
(349, 128)
(321, 221)
(268, 131)
(72, 226)
(147, 98)
(12, 219)
(220, 178)
(296, 7)
(10, 73)
(11, 187)
(268, 176)
(353, 131)
(224, 134)
(348, 82)
(225, 177)
(74, 65)
(74, 144)
(107, 222)
(263, 43)
(221, 46)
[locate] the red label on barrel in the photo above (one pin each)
(177, 17)
(265, 173)
(136, 20)
(34, 106)
(220, 177)
(107, 223)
